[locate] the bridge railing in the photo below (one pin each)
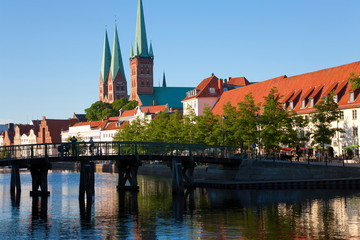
(63, 150)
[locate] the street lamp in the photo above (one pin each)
(223, 134)
(258, 123)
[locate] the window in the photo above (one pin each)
(291, 105)
(335, 98)
(355, 131)
(117, 88)
(303, 103)
(311, 102)
(354, 114)
(341, 115)
(212, 90)
(351, 96)
(284, 106)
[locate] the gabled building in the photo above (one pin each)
(21, 130)
(141, 112)
(50, 129)
(206, 94)
(301, 92)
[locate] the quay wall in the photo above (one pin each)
(266, 170)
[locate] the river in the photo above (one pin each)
(154, 213)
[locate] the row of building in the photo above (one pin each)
(299, 93)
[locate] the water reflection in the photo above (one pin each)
(154, 213)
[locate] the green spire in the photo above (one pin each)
(151, 54)
(106, 59)
(164, 80)
(140, 37)
(116, 60)
(131, 52)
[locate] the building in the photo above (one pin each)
(141, 70)
(50, 129)
(22, 132)
(142, 113)
(208, 92)
(301, 92)
(112, 84)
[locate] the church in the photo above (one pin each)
(113, 84)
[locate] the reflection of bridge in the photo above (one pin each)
(127, 155)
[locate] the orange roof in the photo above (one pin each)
(307, 93)
(129, 113)
(238, 81)
(153, 109)
(81, 124)
(203, 89)
(111, 126)
(340, 87)
(319, 79)
(113, 118)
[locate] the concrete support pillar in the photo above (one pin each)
(177, 178)
(39, 180)
(15, 184)
(87, 180)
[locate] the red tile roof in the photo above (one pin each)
(153, 109)
(322, 79)
(238, 81)
(129, 113)
(111, 126)
(203, 89)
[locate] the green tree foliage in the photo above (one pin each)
(278, 126)
(134, 132)
(326, 112)
(156, 129)
(208, 129)
(354, 80)
(174, 129)
(189, 123)
(100, 110)
(241, 123)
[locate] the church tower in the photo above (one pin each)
(141, 60)
(105, 68)
(116, 81)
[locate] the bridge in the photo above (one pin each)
(128, 156)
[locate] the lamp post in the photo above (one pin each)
(223, 133)
(258, 123)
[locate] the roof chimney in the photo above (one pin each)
(212, 74)
(153, 102)
(220, 86)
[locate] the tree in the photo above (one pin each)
(208, 129)
(326, 112)
(241, 123)
(132, 132)
(189, 126)
(174, 129)
(156, 130)
(100, 110)
(277, 125)
(354, 80)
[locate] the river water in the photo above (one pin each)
(153, 213)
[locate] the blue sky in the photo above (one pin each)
(50, 51)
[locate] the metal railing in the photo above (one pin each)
(49, 150)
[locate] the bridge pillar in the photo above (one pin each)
(127, 173)
(39, 180)
(15, 184)
(177, 177)
(87, 180)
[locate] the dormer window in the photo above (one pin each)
(311, 102)
(302, 103)
(335, 98)
(291, 105)
(212, 90)
(351, 96)
(284, 106)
